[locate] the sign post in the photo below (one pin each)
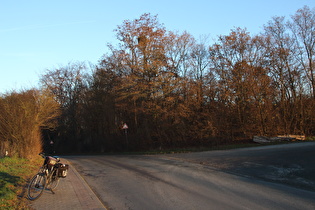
(125, 127)
(52, 146)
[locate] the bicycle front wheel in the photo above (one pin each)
(36, 186)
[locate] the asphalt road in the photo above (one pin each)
(271, 177)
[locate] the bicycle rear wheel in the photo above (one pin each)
(53, 182)
(36, 186)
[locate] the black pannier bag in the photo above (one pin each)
(62, 170)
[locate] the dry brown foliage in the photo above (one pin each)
(22, 117)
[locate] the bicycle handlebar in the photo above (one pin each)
(44, 156)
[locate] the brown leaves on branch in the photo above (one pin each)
(174, 90)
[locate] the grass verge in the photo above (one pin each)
(14, 176)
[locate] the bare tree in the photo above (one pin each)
(303, 28)
(68, 84)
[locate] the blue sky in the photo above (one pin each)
(39, 35)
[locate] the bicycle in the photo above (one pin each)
(47, 176)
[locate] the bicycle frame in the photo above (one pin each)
(46, 178)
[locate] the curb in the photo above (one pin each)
(87, 197)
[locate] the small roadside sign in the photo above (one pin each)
(125, 126)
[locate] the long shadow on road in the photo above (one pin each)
(290, 164)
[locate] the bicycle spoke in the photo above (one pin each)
(36, 186)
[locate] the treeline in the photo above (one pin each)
(173, 90)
